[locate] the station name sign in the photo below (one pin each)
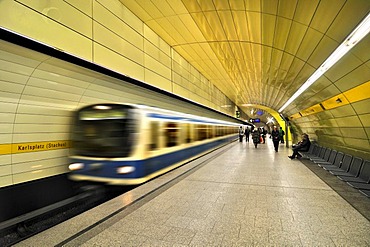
(39, 146)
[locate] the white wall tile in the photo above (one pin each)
(5, 170)
(29, 176)
(6, 180)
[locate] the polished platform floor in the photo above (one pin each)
(242, 197)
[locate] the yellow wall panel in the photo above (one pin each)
(122, 12)
(35, 25)
(179, 90)
(62, 12)
(360, 144)
(111, 41)
(158, 81)
(116, 62)
(156, 66)
(358, 93)
(352, 121)
(365, 120)
(5, 148)
(85, 6)
(114, 24)
(312, 110)
(357, 133)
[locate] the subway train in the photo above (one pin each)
(128, 144)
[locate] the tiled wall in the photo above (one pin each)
(38, 93)
(108, 34)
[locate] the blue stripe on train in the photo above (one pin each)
(107, 169)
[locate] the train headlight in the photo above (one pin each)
(76, 166)
(125, 169)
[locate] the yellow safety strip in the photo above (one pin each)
(355, 94)
(28, 147)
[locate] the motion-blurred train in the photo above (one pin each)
(127, 144)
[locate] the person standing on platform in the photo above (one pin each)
(241, 134)
(281, 133)
(263, 135)
(247, 132)
(256, 137)
(275, 135)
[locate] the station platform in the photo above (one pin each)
(238, 195)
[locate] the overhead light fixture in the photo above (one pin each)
(270, 120)
(357, 34)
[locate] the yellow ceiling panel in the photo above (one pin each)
(305, 10)
(295, 37)
(322, 51)
(269, 6)
(165, 8)
(282, 32)
(287, 8)
(151, 9)
(163, 25)
(309, 43)
(227, 21)
(204, 26)
(141, 12)
(268, 26)
(241, 25)
(215, 25)
(237, 5)
(180, 28)
(192, 28)
(263, 50)
(206, 5)
(325, 14)
(347, 18)
(252, 5)
(254, 26)
(176, 5)
(221, 5)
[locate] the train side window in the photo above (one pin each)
(202, 132)
(219, 130)
(187, 133)
(211, 131)
(172, 133)
(154, 135)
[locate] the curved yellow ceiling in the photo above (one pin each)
(256, 51)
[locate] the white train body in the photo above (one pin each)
(131, 144)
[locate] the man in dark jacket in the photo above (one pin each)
(302, 146)
(275, 138)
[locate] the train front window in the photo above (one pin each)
(103, 132)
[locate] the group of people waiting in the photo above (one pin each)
(277, 136)
(259, 135)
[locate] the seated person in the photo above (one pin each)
(303, 145)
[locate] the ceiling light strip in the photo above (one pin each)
(354, 38)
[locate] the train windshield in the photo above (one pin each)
(103, 131)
